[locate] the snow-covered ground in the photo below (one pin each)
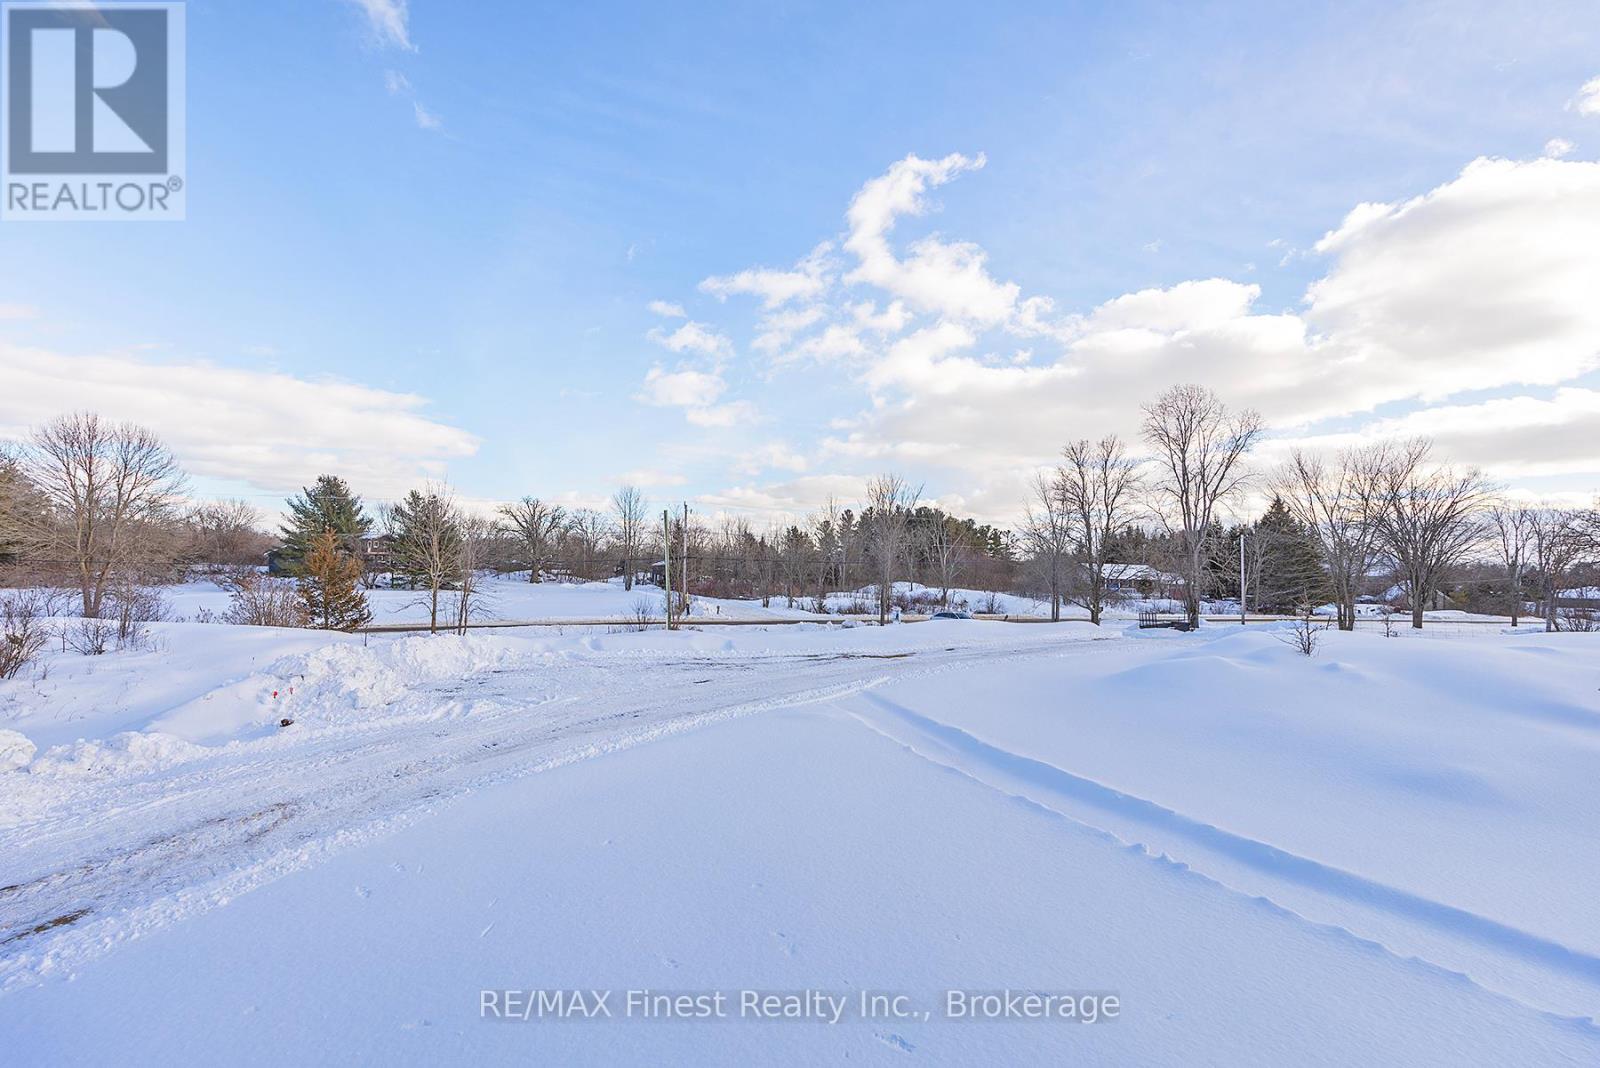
(1386, 853)
(512, 598)
(502, 598)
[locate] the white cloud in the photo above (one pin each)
(775, 287)
(891, 320)
(1488, 280)
(837, 341)
(399, 85)
(733, 413)
(795, 497)
(692, 337)
(17, 312)
(1587, 102)
(650, 477)
(681, 389)
(1484, 283)
(273, 431)
(775, 455)
(1509, 437)
(778, 328)
(944, 278)
(1183, 308)
(668, 310)
(426, 120)
(389, 21)
(1558, 148)
(1478, 284)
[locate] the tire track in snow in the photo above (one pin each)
(202, 834)
(1086, 801)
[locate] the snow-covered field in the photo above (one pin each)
(1383, 854)
(511, 598)
(503, 598)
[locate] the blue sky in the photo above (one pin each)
(462, 214)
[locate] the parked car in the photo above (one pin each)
(950, 613)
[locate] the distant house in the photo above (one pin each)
(376, 554)
(1140, 579)
(641, 573)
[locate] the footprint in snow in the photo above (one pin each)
(363, 892)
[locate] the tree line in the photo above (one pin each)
(1373, 518)
(101, 508)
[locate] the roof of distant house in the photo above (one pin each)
(1137, 573)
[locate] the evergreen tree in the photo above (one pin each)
(1224, 563)
(327, 505)
(1290, 574)
(330, 586)
(23, 509)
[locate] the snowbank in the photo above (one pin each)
(15, 750)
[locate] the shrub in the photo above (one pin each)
(1305, 633)
(23, 631)
(644, 614)
(255, 600)
(91, 637)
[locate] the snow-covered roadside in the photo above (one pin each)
(916, 808)
(69, 696)
(786, 852)
(134, 831)
(211, 684)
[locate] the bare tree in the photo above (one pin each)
(585, 532)
(226, 533)
(109, 486)
(1559, 540)
(1513, 528)
(1199, 445)
(1336, 506)
(949, 548)
(474, 541)
(627, 505)
(1427, 517)
(891, 500)
(1047, 534)
(536, 525)
(425, 532)
(1096, 484)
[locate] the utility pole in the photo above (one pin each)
(1241, 578)
(666, 561)
(683, 563)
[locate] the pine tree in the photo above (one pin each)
(330, 586)
(1291, 575)
(326, 505)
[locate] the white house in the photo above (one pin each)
(1141, 579)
